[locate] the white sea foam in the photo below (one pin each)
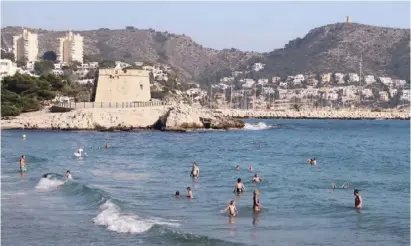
(111, 217)
(121, 175)
(47, 184)
(256, 127)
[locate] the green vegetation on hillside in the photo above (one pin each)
(24, 93)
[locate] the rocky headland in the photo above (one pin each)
(166, 118)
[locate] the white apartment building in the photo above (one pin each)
(399, 82)
(227, 80)
(339, 78)
(405, 95)
(25, 47)
(369, 79)
(298, 79)
(386, 80)
(275, 79)
(258, 66)
(263, 82)
(248, 83)
(367, 93)
(71, 48)
(353, 77)
(7, 68)
(393, 92)
(326, 78)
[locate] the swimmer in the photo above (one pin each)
(256, 202)
(68, 175)
(346, 185)
(106, 146)
(177, 195)
(239, 187)
(333, 185)
(23, 164)
(189, 193)
(358, 199)
(237, 168)
(195, 171)
(232, 209)
(312, 161)
(250, 168)
(257, 179)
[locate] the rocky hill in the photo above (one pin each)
(190, 59)
(330, 48)
(338, 48)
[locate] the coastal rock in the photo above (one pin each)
(187, 117)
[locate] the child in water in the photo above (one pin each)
(232, 209)
(189, 193)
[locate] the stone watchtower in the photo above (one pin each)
(348, 20)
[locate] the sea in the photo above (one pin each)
(124, 194)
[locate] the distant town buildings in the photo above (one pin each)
(369, 79)
(25, 47)
(71, 48)
(258, 66)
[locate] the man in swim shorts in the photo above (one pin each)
(257, 179)
(232, 209)
(23, 164)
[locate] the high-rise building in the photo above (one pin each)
(71, 48)
(25, 47)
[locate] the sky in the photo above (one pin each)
(250, 26)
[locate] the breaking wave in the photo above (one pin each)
(258, 126)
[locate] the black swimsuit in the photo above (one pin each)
(357, 201)
(255, 201)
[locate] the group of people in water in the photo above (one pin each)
(239, 188)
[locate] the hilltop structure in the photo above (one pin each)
(71, 48)
(348, 20)
(123, 85)
(25, 47)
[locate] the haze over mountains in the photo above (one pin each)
(331, 48)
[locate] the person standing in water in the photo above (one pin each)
(177, 195)
(257, 179)
(23, 164)
(189, 193)
(68, 175)
(195, 171)
(232, 209)
(358, 199)
(239, 187)
(237, 168)
(256, 202)
(106, 146)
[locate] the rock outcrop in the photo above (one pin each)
(183, 117)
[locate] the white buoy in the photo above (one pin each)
(24, 135)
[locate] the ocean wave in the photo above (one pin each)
(113, 219)
(49, 184)
(258, 126)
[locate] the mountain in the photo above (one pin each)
(331, 48)
(190, 59)
(338, 48)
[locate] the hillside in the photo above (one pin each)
(181, 52)
(330, 48)
(338, 48)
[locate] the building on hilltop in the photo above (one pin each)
(71, 48)
(25, 47)
(348, 20)
(123, 85)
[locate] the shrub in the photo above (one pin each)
(9, 110)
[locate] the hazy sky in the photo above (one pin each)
(257, 26)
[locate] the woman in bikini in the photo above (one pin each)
(239, 187)
(256, 202)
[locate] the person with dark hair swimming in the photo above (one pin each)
(358, 199)
(68, 175)
(177, 195)
(257, 179)
(239, 187)
(189, 193)
(231, 207)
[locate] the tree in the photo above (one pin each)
(50, 56)
(107, 64)
(42, 67)
(7, 55)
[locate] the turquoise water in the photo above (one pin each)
(124, 195)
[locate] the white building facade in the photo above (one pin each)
(25, 47)
(71, 48)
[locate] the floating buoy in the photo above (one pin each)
(24, 136)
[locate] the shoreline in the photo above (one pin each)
(317, 118)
